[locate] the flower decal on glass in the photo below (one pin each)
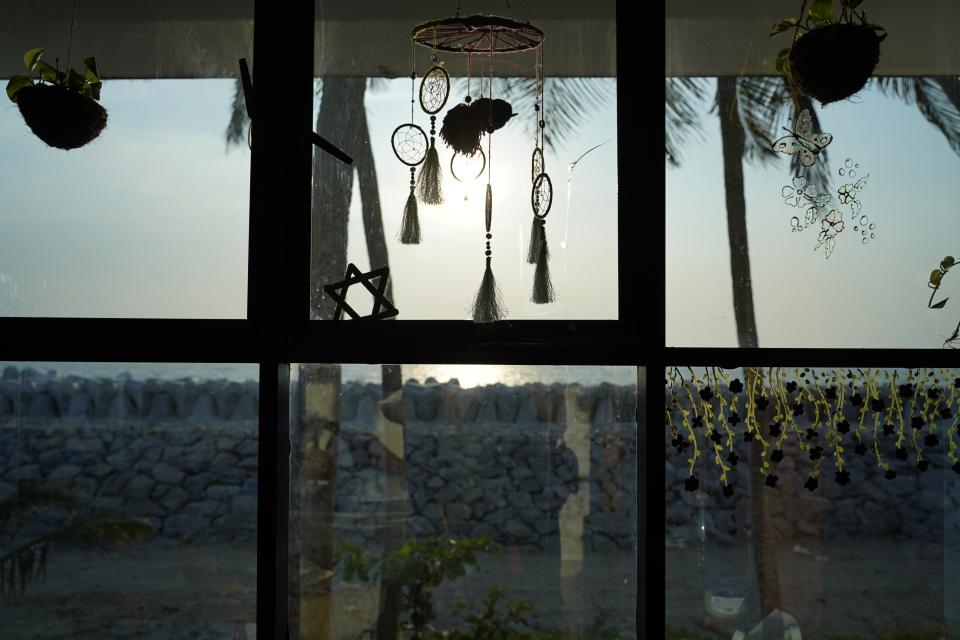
(831, 223)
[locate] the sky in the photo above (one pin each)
(869, 296)
(150, 220)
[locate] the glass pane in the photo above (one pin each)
(128, 500)
(363, 67)
(150, 218)
(756, 254)
(464, 489)
(820, 501)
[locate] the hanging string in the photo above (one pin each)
(73, 20)
(413, 73)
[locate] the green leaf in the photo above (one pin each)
(935, 277)
(821, 12)
(50, 74)
(940, 304)
(30, 58)
(16, 83)
(91, 72)
(782, 26)
(783, 61)
(74, 79)
(947, 262)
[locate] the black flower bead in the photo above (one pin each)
(878, 404)
(697, 422)
(890, 474)
(931, 440)
(798, 409)
(945, 413)
(812, 433)
(887, 429)
(842, 477)
(901, 453)
(956, 465)
(706, 394)
(762, 403)
(956, 383)
(831, 393)
(933, 393)
(815, 453)
(691, 483)
(843, 426)
(677, 442)
(736, 386)
(849, 374)
(905, 390)
(733, 459)
(775, 429)
(856, 400)
(916, 422)
(923, 465)
(733, 419)
(792, 386)
(772, 479)
(811, 484)
(777, 455)
(860, 449)
(728, 490)
(748, 436)
(715, 436)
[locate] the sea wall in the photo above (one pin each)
(486, 461)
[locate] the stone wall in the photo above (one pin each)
(484, 461)
(922, 506)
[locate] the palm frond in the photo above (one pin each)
(760, 105)
(28, 562)
(31, 495)
(237, 127)
(684, 105)
(568, 103)
(936, 98)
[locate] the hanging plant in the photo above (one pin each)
(60, 107)
(827, 417)
(936, 279)
(830, 58)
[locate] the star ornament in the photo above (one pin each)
(382, 308)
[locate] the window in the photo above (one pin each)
(186, 269)
(809, 381)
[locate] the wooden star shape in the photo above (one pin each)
(382, 308)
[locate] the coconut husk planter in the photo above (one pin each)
(61, 117)
(834, 62)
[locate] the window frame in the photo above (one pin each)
(278, 330)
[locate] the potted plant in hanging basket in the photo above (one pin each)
(60, 107)
(830, 58)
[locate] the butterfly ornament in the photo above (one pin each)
(802, 141)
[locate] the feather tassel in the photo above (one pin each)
(535, 239)
(542, 287)
(488, 306)
(410, 227)
(429, 188)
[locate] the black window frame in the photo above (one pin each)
(278, 330)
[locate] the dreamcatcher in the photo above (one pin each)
(541, 198)
(434, 90)
(410, 146)
(465, 124)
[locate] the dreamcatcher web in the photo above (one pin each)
(410, 144)
(434, 90)
(542, 195)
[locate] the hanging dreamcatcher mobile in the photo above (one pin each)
(463, 128)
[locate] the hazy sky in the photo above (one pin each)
(872, 295)
(150, 220)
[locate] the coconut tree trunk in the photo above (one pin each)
(370, 203)
(733, 140)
